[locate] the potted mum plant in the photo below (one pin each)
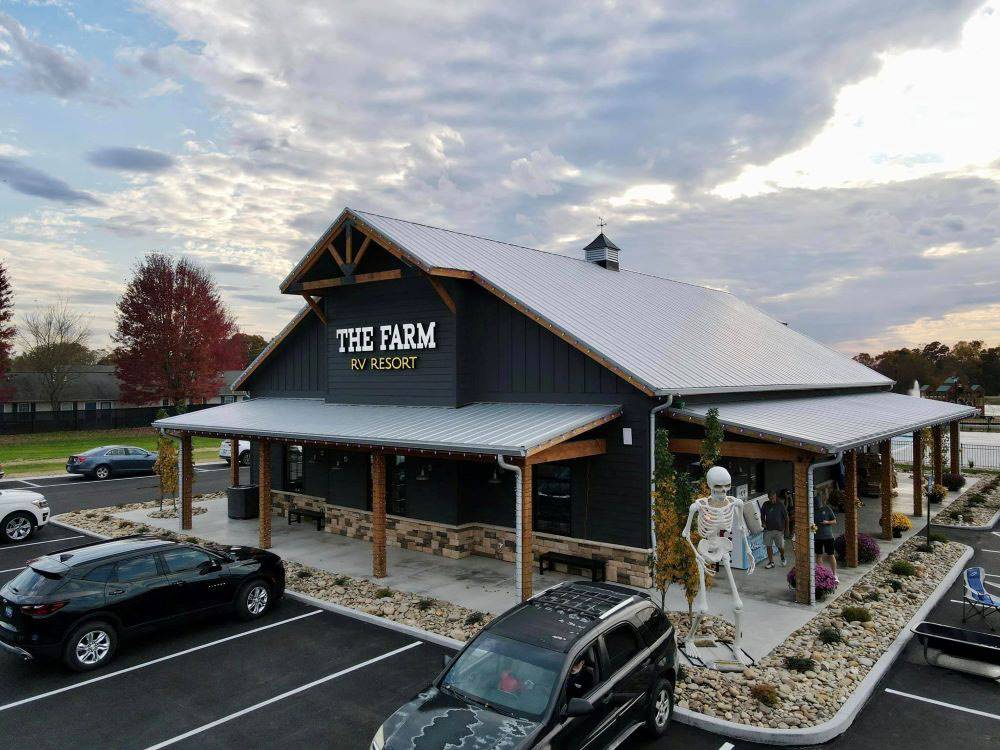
(826, 584)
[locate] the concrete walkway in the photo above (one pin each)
(486, 584)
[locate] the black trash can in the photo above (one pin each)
(243, 501)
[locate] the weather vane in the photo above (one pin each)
(601, 222)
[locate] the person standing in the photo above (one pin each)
(825, 519)
(775, 518)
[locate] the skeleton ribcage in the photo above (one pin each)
(712, 521)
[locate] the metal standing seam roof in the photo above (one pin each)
(511, 429)
(671, 336)
(832, 423)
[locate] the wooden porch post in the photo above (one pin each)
(955, 446)
(527, 556)
(187, 477)
(918, 473)
(885, 486)
(379, 566)
(264, 490)
(851, 508)
(803, 534)
(234, 462)
(936, 442)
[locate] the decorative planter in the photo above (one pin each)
(243, 501)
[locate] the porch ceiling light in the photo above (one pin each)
(495, 476)
(424, 473)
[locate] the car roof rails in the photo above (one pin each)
(584, 602)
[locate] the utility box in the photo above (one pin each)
(244, 501)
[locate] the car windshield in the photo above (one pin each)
(509, 676)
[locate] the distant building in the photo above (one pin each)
(954, 390)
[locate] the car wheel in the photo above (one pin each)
(661, 708)
(102, 472)
(90, 646)
(18, 526)
(253, 599)
(245, 458)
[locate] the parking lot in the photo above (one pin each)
(298, 677)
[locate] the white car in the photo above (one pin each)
(21, 512)
(244, 456)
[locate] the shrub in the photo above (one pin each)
(903, 568)
(191, 539)
(895, 584)
(766, 694)
(872, 596)
(303, 573)
(937, 494)
(142, 530)
(856, 614)
(901, 522)
(800, 663)
(383, 593)
(868, 549)
(935, 537)
(830, 635)
(425, 604)
(953, 481)
(475, 618)
(341, 581)
(825, 583)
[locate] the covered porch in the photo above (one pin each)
(511, 438)
(829, 432)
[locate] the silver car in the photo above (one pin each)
(109, 460)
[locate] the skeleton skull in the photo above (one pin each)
(718, 481)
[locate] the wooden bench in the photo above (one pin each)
(299, 513)
(548, 560)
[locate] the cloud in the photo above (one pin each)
(57, 71)
(164, 87)
(539, 173)
(31, 181)
(131, 159)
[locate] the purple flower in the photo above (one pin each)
(868, 549)
(825, 583)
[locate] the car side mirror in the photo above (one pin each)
(447, 659)
(579, 707)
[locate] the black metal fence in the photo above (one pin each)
(23, 423)
(983, 456)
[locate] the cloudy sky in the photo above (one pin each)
(836, 163)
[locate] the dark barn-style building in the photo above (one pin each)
(463, 396)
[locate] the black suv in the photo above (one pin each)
(580, 665)
(77, 603)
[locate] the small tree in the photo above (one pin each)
(711, 446)
(7, 331)
(54, 344)
(166, 464)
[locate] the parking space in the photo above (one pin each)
(299, 676)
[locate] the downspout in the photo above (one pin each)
(652, 467)
(517, 520)
(812, 519)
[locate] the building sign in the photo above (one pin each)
(395, 337)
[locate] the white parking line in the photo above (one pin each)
(943, 704)
(30, 484)
(11, 570)
(145, 664)
(726, 746)
(994, 551)
(275, 699)
(45, 541)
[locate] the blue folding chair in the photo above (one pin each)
(977, 600)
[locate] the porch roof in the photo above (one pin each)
(829, 423)
(481, 428)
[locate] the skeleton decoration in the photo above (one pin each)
(717, 514)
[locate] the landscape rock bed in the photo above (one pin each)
(807, 698)
(976, 507)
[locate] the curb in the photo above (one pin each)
(988, 527)
(843, 719)
(340, 609)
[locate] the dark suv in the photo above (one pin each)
(77, 604)
(581, 665)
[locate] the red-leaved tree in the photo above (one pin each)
(173, 334)
(7, 332)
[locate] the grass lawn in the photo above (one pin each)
(46, 452)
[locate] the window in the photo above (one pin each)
(181, 559)
(115, 452)
(105, 404)
(397, 487)
(652, 624)
(100, 574)
(136, 452)
(293, 468)
(553, 498)
(137, 569)
(90, 405)
(67, 406)
(622, 644)
(228, 399)
(22, 407)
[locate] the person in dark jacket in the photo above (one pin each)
(774, 518)
(581, 679)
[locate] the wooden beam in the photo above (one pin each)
(569, 450)
(803, 533)
(936, 459)
(318, 249)
(315, 307)
(443, 294)
(336, 256)
(954, 446)
(264, 494)
(452, 273)
(362, 251)
(851, 508)
(349, 245)
(187, 479)
(525, 542)
(885, 486)
(573, 433)
(733, 449)
(379, 564)
(918, 473)
(361, 278)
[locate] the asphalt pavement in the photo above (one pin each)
(75, 492)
